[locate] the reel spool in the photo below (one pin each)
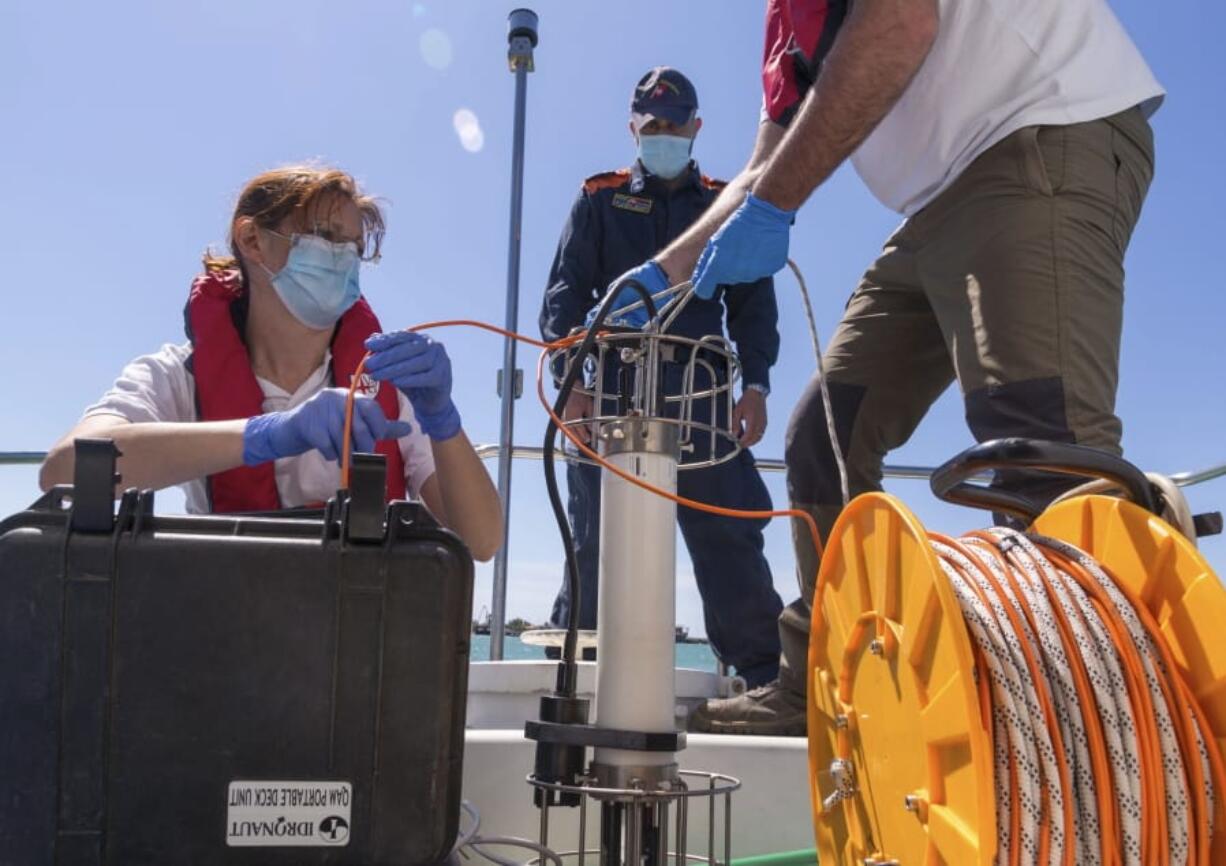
(900, 727)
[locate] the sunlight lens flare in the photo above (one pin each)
(468, 128)
(435, 47)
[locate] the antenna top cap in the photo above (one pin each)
(522, 23)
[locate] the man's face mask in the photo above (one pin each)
(663, 155)
(319, 282)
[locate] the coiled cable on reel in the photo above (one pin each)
(1042, 698)
(1100, 753)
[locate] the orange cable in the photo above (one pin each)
(1186, 723)
(1108, 804)
(1153, 784)
(1173, 691)
(1037, 675)
(742, 513)
(546, 347)
(445, 323)
(1109, 818)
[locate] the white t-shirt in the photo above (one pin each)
(995, 67)
(159, 387)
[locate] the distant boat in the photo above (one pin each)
(481, 625)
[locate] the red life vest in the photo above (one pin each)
(226, 388)
(799, 35)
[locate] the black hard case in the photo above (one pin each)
(146, 662)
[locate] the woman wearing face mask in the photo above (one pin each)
(248, 415)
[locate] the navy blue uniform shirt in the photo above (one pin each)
(620, 220)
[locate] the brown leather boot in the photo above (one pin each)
(769, 710)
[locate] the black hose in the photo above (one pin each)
(568, 671)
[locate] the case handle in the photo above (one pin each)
(93, 485)
(364, 501)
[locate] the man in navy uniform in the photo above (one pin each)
(619, 219)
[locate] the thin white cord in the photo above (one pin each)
(467, 835)
(513, 842)
(844, 488)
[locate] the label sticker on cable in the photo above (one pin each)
(288, 814)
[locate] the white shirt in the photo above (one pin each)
(159, 387)
(995, 67)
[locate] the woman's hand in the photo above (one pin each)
(420, 368)
(318, 424)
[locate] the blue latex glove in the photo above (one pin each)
(751, 244)
(653, 278)
(318, 425)
(420, 368)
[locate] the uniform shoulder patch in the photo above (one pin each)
(606, 180)
(713, 182)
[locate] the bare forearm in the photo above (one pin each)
(470, 501)
(679, 257)
(154, 455)
(878, 51)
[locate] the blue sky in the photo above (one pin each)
(128, 128)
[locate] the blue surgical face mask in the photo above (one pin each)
(319, 281)
(665, 156)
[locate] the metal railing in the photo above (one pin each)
(529, 452)
(22, 458)
(1187, 479)
(526, 452)
(891, 470)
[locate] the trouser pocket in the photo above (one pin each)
(1035, 166)
(1132, 153)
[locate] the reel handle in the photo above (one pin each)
(949, 481)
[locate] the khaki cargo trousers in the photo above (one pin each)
(1011, 281)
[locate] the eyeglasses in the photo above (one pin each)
(326, 234)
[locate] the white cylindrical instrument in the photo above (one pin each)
(635, 688)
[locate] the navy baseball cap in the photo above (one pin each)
(666, 93)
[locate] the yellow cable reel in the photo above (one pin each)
(900, 759)
(892, 692)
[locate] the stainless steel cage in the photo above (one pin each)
(665, 807)
(628, 374)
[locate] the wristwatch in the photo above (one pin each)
(761, 389)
